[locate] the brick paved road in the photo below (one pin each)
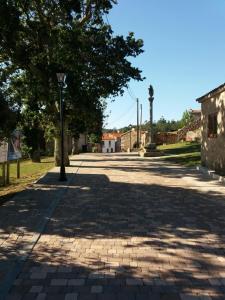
(125, 228)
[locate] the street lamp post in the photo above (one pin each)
(61, 81)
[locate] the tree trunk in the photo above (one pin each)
(57, 149)
(36, 156)
(75, 149)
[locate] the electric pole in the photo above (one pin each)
(140, 121)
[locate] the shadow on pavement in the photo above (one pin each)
(132, 240)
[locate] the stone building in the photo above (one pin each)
(213, 129)
(129, 140)
(195, 114)
(192, 131)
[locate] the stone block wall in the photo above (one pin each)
(213, 148)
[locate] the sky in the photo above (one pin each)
(184, 55)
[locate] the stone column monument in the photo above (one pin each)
(151, 145)
(150, 148)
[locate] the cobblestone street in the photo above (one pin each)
(122, 227)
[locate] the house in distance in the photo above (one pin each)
(111, 142)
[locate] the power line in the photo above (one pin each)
(123, 115)
(131, 93)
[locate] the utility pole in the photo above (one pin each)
(137, 123)
(140, 121)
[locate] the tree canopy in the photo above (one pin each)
(40, 38)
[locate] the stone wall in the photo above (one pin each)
(193, 126)
(194, 135)
(129, 140)
(213, 148)
(166, 138)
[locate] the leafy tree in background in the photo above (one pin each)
(186, 118)
(40, 38)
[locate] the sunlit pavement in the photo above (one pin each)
(122, 227)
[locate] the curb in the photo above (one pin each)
(211, 174)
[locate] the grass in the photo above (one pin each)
(185, 153)
(29, 172)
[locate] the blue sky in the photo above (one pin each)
(184, 43)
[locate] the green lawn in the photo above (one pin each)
(29, 172)
(185, 153)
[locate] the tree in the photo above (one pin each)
(186, 118)
(8, 117)
(39, 39)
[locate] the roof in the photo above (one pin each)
(195, 111)
(111, 136)
(127, 132)
(219, 89)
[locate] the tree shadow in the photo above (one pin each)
(133, 240)
(158, 167)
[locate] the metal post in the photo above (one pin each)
(137, 123)
(18, 168)
(140, 122)
(62, 166)
(7, 172)
(130, 140)
(3, 174)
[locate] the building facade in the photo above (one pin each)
(129, 140)
(213, 129)
(111, 142)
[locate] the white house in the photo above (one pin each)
(110, 142)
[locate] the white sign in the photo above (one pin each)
(3, 151)
(14, 151)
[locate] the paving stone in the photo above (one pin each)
(41, 296)
(71, 296)
(190, 297)
(36, 289)
(59, 282)
(134, 281)
(87, 297)
(96, 289)
(107, 296)
(134, 227)
(41, 275)
(14, 297)
(76, 282)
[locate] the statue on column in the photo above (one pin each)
(150, 148)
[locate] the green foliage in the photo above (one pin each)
(162, 125)
(94, 138)
(8, 117)
(186, 118)
(40, 38)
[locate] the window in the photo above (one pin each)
(109, 143)
(212, 125)
(103, 143)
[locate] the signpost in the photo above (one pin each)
(3, 151)
(10, 152)
(14, 151)
(3, 159)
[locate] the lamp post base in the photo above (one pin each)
(62, 178)
(150, 150)
(62, 175)
(150, 147)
